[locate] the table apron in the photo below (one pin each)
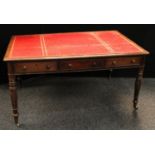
(75, 65)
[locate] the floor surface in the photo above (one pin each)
(71, 103)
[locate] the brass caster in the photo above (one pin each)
(135, 105)
(18, 125)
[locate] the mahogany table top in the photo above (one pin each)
(71, 45)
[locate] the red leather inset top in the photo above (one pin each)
(70, 45)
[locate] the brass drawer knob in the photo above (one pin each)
(94, 64)
(48, 66)
(133, 61)
(24, 67)
(114, 62)
(70, 65)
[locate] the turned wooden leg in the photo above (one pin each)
(137, 87)
(110, 73)
(13, 95)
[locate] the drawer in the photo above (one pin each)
(122, 62)
(81, 64)
(35, 67)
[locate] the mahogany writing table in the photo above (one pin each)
(71, 52)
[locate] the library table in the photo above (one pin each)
(71, 52)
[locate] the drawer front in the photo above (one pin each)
(122, 62)
(35, 67)
(75, 65)
(81, 64)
